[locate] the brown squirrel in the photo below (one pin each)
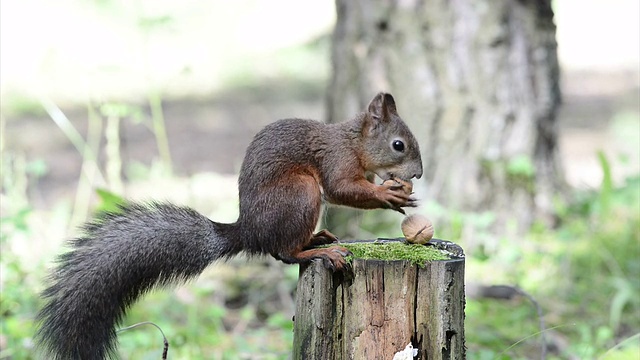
(289, 167)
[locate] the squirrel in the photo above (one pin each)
(289, 168)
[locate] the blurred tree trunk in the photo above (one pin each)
(477, 82)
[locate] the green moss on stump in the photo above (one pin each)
(416, 254)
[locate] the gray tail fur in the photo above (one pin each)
(121, 256)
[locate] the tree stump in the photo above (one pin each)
(380, 307)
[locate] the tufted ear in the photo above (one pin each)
(381, 106)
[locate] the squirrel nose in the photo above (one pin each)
(418, 171)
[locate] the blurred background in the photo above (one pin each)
(158, 100)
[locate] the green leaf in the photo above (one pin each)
(521, 165)
(109, 202)
(606, 188)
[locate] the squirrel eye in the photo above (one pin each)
(398, 145)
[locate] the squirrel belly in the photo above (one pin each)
(120, 257)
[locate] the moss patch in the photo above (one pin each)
(416, 254)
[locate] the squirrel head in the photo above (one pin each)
(390, 148)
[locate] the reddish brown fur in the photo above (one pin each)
(292, 163)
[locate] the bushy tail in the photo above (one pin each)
(121, 256)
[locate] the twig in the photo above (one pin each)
(542, 325)
(165, 349)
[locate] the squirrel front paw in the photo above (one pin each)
(396, 193)
(323, 237)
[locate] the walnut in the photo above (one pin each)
(417, 229)
(407, 186)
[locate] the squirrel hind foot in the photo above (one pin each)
(333, 257)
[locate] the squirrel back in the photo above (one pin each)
(290, 167)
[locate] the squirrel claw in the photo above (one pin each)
(400, 210)
(343, 251)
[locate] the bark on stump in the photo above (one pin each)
(380, 307)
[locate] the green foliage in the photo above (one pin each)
(522, 166)
(627, 349)
(17, 104)
(109, 202)
(16, 307)
(584, 273)
(121, 110)
(493, 328)
(202, 321)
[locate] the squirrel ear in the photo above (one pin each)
(375, 108)
(390, 104)
(381, 106)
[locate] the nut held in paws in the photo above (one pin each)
(407, 186)
(417, 229)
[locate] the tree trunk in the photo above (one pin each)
(477, 82)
